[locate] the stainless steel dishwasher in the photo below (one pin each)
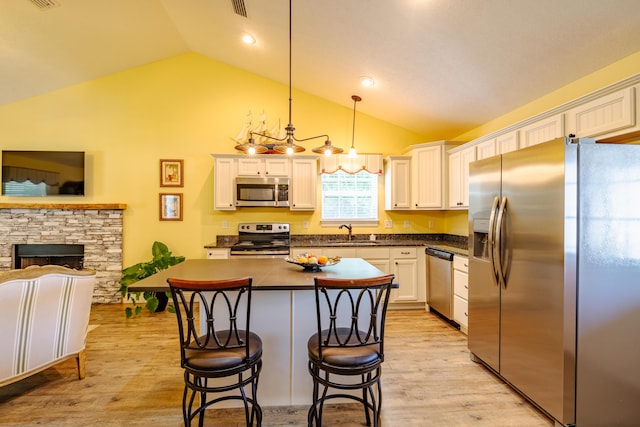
(440, 287)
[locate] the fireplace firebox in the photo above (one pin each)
(68, 255)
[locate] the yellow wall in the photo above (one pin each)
(188, 107)
(185, 107)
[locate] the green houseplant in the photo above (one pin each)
(162, 259)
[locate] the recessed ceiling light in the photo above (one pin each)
(367, 81)
(248, 38)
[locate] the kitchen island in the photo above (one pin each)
(282, 313)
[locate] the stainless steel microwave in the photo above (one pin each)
(262, 192)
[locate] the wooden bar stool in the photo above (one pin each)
(224, 357)
(347, 351)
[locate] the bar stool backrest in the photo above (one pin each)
(351, 312)
(225, 306)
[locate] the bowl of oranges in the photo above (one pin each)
(312, 262)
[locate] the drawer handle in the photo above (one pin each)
(466, 265)
(466, 286)
(466, 314)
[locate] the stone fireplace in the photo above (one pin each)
(29, 231)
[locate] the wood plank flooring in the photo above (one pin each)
(134, 379)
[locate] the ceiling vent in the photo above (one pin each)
(238, 7)
(45, 4)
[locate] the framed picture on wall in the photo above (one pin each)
(171, 173)
(171, 207)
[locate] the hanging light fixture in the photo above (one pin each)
(286, 144)
(352, 150)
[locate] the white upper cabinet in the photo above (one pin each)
(224, 173)
(427, 177)
(397, 183)
(302, 194)
(507, 142)
(610, 113)
(430, 174)
(255, 166)
(459, 177)
(542, 131)
(486, 149)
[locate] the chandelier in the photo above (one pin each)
(287, 143)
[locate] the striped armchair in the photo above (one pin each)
(44, 316)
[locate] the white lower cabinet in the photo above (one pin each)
(404, 265)
(407, 263)
(461, 292)
(217, 253)
(378, 257)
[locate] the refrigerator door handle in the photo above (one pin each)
(502, 210)
(491, 240)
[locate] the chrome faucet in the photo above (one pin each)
(348, 227)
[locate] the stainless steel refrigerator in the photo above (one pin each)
(554, 277)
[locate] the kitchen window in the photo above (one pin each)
(351, 197)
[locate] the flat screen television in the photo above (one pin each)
(42, 173)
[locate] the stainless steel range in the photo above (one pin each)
(257, 239)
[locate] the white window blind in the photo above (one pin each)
(350, 196)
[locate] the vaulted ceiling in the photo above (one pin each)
(441, 67)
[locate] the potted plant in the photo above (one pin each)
(154, 302)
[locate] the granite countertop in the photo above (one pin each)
(446, 242)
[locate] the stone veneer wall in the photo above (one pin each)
(99, 230)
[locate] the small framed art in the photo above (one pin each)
(171, 207)
(171, 173)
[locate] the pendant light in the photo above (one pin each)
(352, 150)
(286, 144)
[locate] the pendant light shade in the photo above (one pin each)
(327, 149)
(251, 147)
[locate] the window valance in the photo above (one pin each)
(371, 163)
(36, 176)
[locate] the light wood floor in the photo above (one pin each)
(134, 379)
